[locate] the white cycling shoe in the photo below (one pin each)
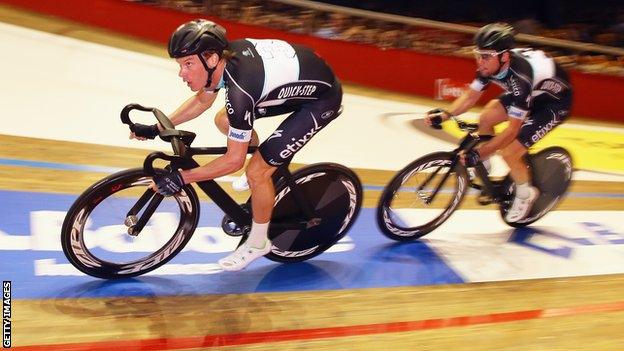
(240, 183)
(521, 207)
(243, 256)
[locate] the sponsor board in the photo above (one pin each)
(448, 89)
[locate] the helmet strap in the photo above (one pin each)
(500, 74)
(209, 70)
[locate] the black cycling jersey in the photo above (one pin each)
(531, 74)
(269, 77)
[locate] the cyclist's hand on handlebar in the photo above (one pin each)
(470, 158)
(141, 131)
(168, 184)
(435, 117)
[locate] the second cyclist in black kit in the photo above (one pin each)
(261, 78)
(537, 98)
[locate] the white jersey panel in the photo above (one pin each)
(542, 65)
(280, 62)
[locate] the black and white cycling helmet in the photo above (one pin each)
(495, 36)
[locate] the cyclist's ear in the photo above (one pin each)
(212, 59)
(505, 56)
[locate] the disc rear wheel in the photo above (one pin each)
(334, 194)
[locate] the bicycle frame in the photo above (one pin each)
(469, 142)
(183, 159)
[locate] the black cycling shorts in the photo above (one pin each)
(298, 128)
(545, 115)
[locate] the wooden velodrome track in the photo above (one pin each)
(578, 313)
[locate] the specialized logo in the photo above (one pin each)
(291, 149)
(296, 90)
(248, 117)
(527, 122)
(276, 134)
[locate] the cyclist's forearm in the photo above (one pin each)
(192, 108)
(464, 102)
(218, 167)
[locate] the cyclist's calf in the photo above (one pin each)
(513, 154)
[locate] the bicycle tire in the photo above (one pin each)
(81, 212)
(551, 171)
(335, 194)
(391, 219)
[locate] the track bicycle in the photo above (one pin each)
(424, 194)
(141, 230)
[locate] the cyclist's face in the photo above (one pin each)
(487, 62)
(192, 72)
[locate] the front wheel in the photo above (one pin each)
(333, 192)
(98, 235)
(551, 171)
(410, 206)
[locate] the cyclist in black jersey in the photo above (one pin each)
(261, 78)
(537, 98)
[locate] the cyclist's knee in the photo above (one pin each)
(258, 170)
